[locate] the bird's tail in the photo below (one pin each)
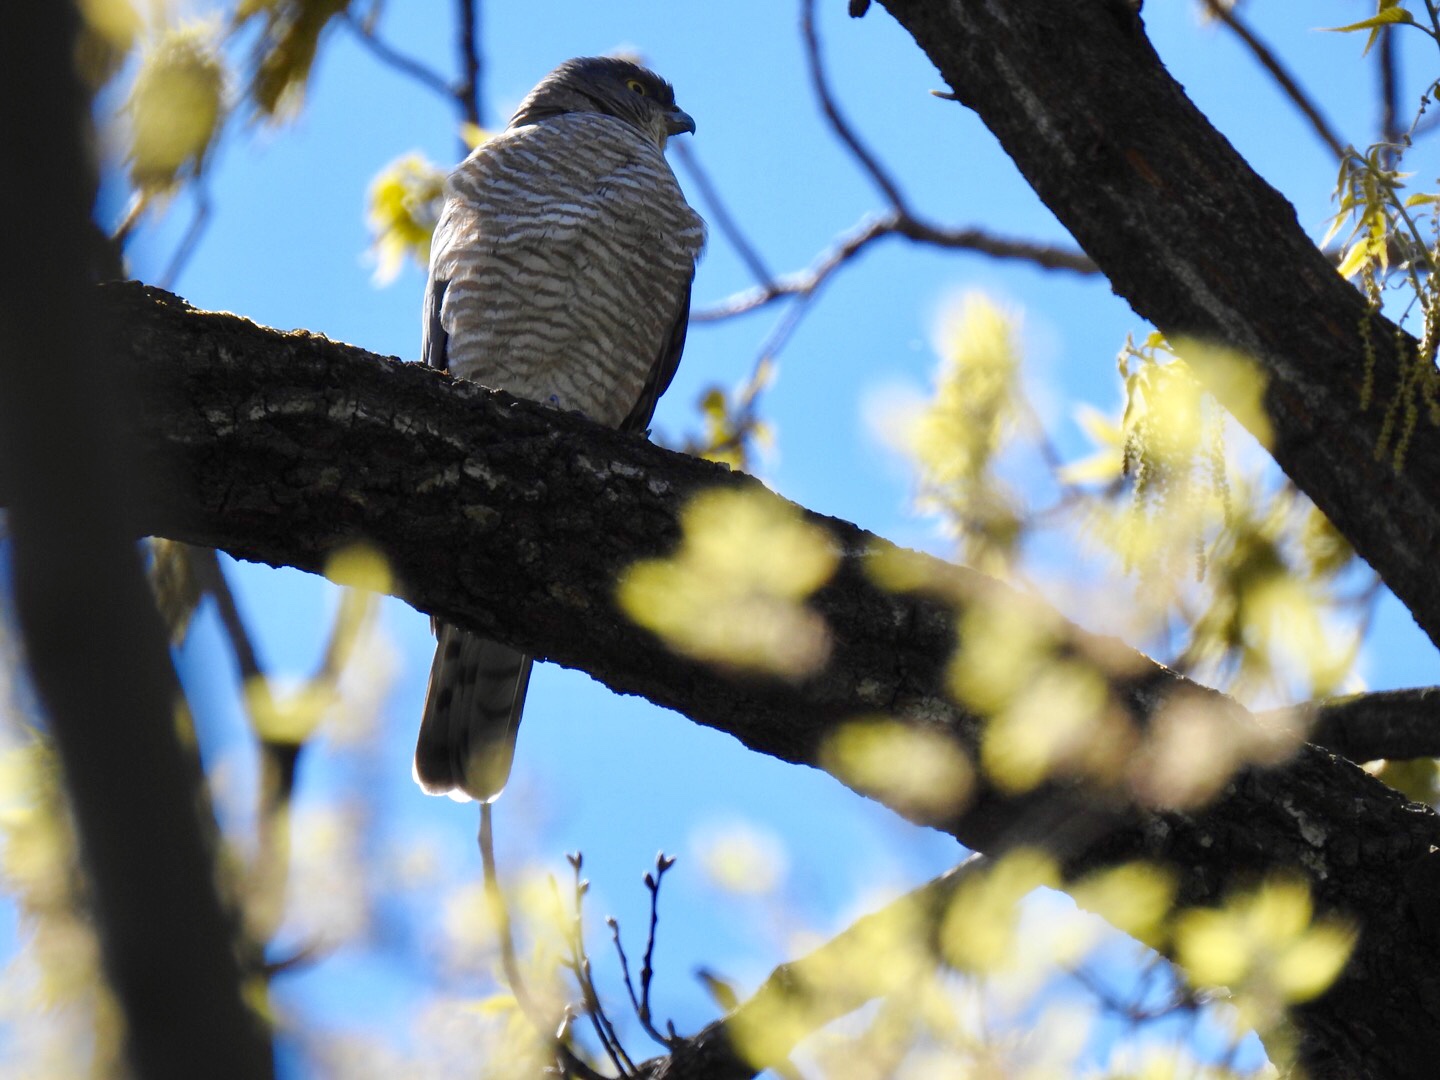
(472, 714)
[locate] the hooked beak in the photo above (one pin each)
(677, 121)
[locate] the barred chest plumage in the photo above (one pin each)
(569, 250)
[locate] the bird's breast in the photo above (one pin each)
(569, 253)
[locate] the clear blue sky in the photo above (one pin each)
(619, 778)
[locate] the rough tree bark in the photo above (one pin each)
(514, 520)
(1201, 246)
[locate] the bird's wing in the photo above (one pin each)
(663, 369)
(433, 339)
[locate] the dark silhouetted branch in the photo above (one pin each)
(1271, 63)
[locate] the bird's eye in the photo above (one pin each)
(637, 86)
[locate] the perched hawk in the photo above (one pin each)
(560, 271)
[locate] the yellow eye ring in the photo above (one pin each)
(635, 85)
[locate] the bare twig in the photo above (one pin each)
(641, 1003)
(805, 992)
(392, 57)
(645, 1021)
(1271, 63)
(1132, 1010)
(841, 126)
(647, 969)
(895, 223)
(1388, 60)
(193, 232)
(279, 760)
(511, 965)
(211, 580)
(579, 965)
(720, 215)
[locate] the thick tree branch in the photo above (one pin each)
(515, 521)
(1396, 725)
(1202, 247)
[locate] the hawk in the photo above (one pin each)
(560, 271)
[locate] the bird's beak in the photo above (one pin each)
(677, 121)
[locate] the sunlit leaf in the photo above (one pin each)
(402, 209)
(1265, 943)
(734, 591)
(1107, 464)
(978, 933)
(1235, 379)
(742, 858)
(904, 766)
(110, 30)
(955, 439)
(360, 566)
(1135, 897)
(1354, 260)
(288, 716)
(285, 54)
(1308, 968)
(175, 108)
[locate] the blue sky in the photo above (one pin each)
(616, 777)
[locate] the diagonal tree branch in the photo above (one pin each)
(1202, 247)
(1396, 725)
(1267, 59)
(514, 520)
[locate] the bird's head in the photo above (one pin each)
(608, 85)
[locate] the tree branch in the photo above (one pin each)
(1395, 725)
(394, 58)
(467, 92)
(1271, 63)
(1203, 248)
(515, 520)
(894, 223)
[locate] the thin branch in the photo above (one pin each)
(645, 1022)
(511, 965)
(720, 214)
(211, 579)
(196, 229)
(579, 965)
(278, 760)
(895, 223)
(392, 57)
(1271, 63)
(647, 968)
(841, 126)
(1131, 1009)
(1388, 60)
(467, 93)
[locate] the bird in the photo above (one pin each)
(560, 271)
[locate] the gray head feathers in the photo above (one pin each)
(610, 86)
